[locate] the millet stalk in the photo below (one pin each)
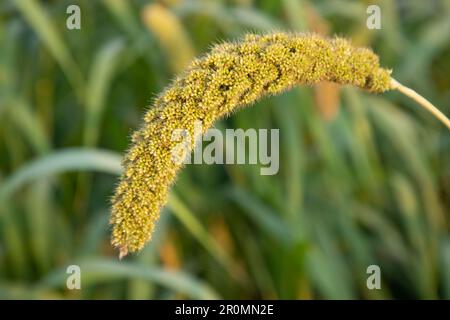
(232, 75)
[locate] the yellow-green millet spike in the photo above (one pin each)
(230, 76)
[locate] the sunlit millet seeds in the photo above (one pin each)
(230, 76)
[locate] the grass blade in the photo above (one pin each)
(102, 72)
(35, 14)
(101, 270)
(75, 159)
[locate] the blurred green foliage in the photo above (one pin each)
(363, 179)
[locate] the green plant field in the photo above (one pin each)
(364, 179)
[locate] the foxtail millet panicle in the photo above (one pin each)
(230, 76)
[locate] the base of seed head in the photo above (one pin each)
(123, 251)
(232, 75)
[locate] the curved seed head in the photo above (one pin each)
(230, 76)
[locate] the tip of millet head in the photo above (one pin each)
(123, 251)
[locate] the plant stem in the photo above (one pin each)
(421, 101)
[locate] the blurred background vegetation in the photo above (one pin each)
(363, 179)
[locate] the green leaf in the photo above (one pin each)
(22, 116)
(76, 159)
(96, 271)
(193, 225)
(35, 14)
(102, 72)
(261, 215)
